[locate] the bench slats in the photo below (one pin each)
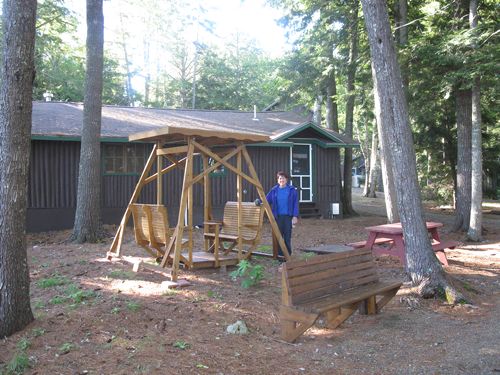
(318, 267)
(349, 296)
(334, 287)
(325, 258)
(335, 284)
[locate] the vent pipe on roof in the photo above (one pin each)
(255, 113)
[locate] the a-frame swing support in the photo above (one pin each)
(175, 155)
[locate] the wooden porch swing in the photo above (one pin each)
(242, 221)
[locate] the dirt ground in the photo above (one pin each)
(94, 316)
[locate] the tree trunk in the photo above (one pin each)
(317, 110)
(332, 113)
(391, 108)
(464, 159)
(387, 176)
(365, 150)
(374, 167)
(17, 75)
(476, 217)
(129, 89)
(351, 77)
(88, 207)
(402, 37)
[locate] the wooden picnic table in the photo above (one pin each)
(391, 235)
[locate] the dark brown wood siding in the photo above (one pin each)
(54, 173)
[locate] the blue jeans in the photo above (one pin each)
(285, 226)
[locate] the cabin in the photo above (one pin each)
(298, 146)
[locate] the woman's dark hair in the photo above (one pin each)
(284, 174)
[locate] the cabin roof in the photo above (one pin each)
(64, 120)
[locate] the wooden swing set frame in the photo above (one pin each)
(179, 146)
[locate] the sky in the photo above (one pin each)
(251, 17)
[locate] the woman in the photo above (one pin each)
(284, 202)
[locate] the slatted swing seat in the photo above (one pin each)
(151, 228)
(218, 233)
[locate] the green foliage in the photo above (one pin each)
(57, 300)
(251, 274)
(124, 275)
(180, 344)
(55, 280)
(115, 310)
(37, 332)
(18, 364)
(23, 344)
(133, 306)
(307, 255)
(66, 348)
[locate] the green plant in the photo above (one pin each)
(50, 282)
(305, 256)
(66, 348)
(38, 305)
(115, 310)
(23, 344)
(37, 332)
(200, 365)
(79, 295)
(57, 300)
(125, 275)
(18, 364)
(133, 306)
(180, 344)
(251, 274)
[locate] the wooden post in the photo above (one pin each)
(188, 176)
(115, 248)
(159, 179)
(267, 207)
(239, 193)
(207, 198)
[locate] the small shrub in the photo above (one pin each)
(251, 275)
(115, 310)
(18, 364)
(66, 348)
(133, 306)
(50, 282)
(23, 344)
(180, 345)
(37, 332)
(124, 275)
(305, 256)
(57, 300)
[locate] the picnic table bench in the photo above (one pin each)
(391, 235)
(335, 285)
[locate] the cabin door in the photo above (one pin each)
(301, 170)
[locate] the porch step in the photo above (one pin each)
(309, 210)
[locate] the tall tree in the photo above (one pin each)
(464, 132)
(17, 75)
(349, 112)
(475, 227)
(88, 207)
(391, 111)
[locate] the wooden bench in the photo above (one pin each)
(439, 248)
(250, 230)
(378, 241)
(151, 228)
(334, 285)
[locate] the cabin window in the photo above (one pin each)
(220, 171)
(124, 158)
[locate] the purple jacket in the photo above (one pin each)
(293, 200)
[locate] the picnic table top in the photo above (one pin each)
(396, 228)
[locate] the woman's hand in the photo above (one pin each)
(295, 220)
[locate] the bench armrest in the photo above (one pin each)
(212, 223)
